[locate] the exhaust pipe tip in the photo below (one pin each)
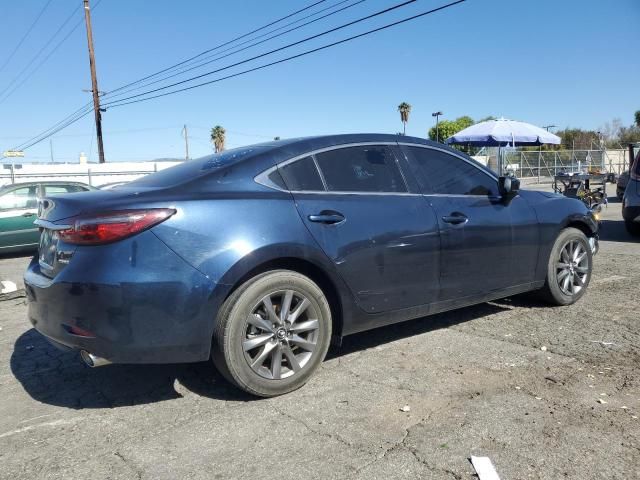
(92, 360)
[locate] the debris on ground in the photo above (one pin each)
(543, 348)
(8, 286)
(484, 468)
(406, 408)
(602, 400)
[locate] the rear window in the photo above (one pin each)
(302, 175)
(193, 169)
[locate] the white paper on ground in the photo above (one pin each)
(484, 468)
(8, 286)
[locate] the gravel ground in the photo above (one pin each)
(546, 393)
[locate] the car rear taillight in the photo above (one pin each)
(112, 226)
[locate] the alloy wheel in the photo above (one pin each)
(572, 268)
(281, 334)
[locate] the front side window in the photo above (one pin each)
(450, 175)
(361, 169)
(20, 198)
(302, 175)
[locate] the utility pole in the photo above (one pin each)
(51, 148)
(437, 115)
(547, 127)
(94, 81)
(186, 143)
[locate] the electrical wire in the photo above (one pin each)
(204, 60)
(220, 46)
(304, 40)
(308, 52)
(24, 37)
(44, 60)
(73, 117)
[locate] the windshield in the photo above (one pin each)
(194, 168)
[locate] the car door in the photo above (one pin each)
(488, 244)
(18, 210)
(378, 233)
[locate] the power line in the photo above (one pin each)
(72, 117)
(24, 37)
(203, 62)
(220, 46)
(44, 60)
(304, 40)
(308, 52)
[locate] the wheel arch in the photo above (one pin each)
(326, 281)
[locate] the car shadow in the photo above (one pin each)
(59, 378)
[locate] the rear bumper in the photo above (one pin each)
(133, 302)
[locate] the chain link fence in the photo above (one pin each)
(545, 164)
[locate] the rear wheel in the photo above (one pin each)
(569, 268)
(632, 227)
(272, 333)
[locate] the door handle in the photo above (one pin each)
(28, 214)
(328, 218)
(455, 218)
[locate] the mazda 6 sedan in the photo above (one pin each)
(260, 257)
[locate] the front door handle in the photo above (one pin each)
(328, 218)
(455, 218)
(28, 214)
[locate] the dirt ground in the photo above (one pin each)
(546, 393)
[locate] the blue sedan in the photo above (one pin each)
(260, 257)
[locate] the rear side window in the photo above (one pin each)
(450, 175)
(361, 169)
(302, 175)
(20, 198)
(53, 189)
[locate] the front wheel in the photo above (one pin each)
(569, 268)
(272, 333)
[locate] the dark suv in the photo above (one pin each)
(259, 256)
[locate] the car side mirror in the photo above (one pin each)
(508, 187)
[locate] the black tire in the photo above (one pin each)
(552, 292)
(233, 330)
(632, 227)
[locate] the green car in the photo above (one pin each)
(19, 209)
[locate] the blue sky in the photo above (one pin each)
(568, 63)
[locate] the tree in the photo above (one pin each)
(578, 139)
(446, 128)
(637, 117)
(405, 109)
(218, 138)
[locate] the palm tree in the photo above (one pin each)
(405, 109)
(218, 137)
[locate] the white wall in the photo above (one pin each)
(93, 174)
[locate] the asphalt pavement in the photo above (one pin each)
(545, 392)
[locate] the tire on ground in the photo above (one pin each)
(227, 352)
(551, 292)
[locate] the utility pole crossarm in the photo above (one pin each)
(94, 81)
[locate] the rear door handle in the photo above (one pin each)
(455, 218)
(327, 218)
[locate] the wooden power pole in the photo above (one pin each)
(94, 81)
